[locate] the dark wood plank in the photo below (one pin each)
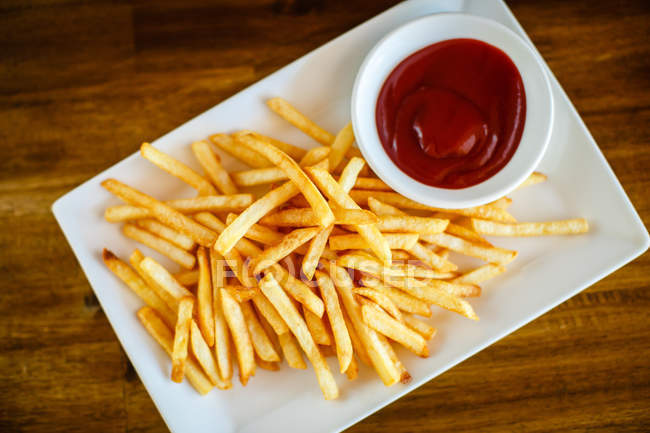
(83, 84)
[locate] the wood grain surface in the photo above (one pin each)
(82, 84)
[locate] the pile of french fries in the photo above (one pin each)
(328, 262)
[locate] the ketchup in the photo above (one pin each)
(451, 115)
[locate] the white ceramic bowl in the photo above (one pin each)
(417, 34)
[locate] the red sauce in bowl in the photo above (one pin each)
(451, 115)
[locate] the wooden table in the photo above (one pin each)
(82, 85)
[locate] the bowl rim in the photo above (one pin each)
(539, 107)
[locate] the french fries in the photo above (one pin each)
(164, 247)
(177, 169)
(534, 178)
(294, 173)
(164, 232)
(138, 286)
(221, 334)
(261, 342)
(288, 311)
(289, 243)
(204, 304)
(181, 337)
(305, 217)
(299, 120)
(162, 212)
(308, 230)
(339, 329)
(213, 168)
(241, 338)
(229, 145)
(238, 228)
(337, 194)
(342, 143)
(381, 322)
(163, 335)
(400, 241)
(566, 227)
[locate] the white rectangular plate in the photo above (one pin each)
(547, 272)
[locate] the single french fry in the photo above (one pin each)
(298, 290)
(230, 145)
(295, 174)
(496, 255)
(314, 252)
(341, 144)
(136, 259)
(241, 293)
(305, 217)
(422, 328)
(138, 286)
(244, 246)
(181, 337)
(371, 183)
(401, 255)
(289, 113)
(262, 176)
(432, 259)
(287, 310)
(125, 212)
(411, 224)
(399, 201)
(187, 277)
(357, 345)
(317, 328)
(261, 342)
(456, 289)
(243, 345)
(402, 241)
(315, 156)
(163, 335)
(379, 356)
(380, 299)
(293, 151)
(383, 323)
(434, 292)
(339, 329)
(177, 169)
(212, 203)
(409, 270)
(404, 376)
(535, 177)
(337, 194)
(463, 232)
(352, 371)
(213, 168)
(259, 233)
(266, 365)
(289, 242)
(164, 247)
(350, 173)
(222, 346)
(164, 280)
(291, 351)
(267, 310)
(204, 304)
(565, 227)
(418, 250)
(166, 233)
(258, 176)
(268, 329)
(480, 274)
(202, 352)
(162, 212)
(238, 228)
(240, 268)
(402, 300)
